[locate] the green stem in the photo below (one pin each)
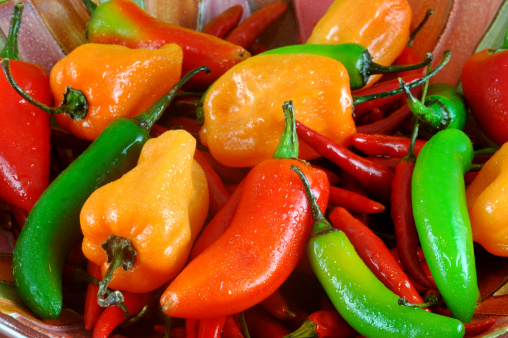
(89, 5)
(288, 145)
(362, 99)
(306, 330)
(375, 68)
(120, 253)
(485, 151)
(136, 318)
(10, 50)
(432, 301)
(414, 135)
(147, 119)
(243, 325)
(74, 104)
(320, 225)
(417, 29)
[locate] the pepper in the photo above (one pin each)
(324, 324)
(261, 246)
(161, 223)
(382, 26)
(92, 309)
(486, 201)
(385, 145)
(243, 120)
(483, 81)
(356, 58)
(359, 297)
(222, 24)
(52, 226)
(125, 23)
(25, 130)
(442, 219)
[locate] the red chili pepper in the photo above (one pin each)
(372, 176)
(404, 224)
(227, 174)
(479, 327)
(278, 305)
(470, 176)
(353, 202)
(375, 254)
(384, 145)
(389, 162)
(113, 316)
(256, 48)
(250, 29)
(332, 177)
(389, 124)
(211, 327)
(263, 325)
(374, 115)
(191, 327)
(92, 309)
(325, 324)
(231, 328)
(24, 130)
(216, 227)
(363, 109)
(224, 23)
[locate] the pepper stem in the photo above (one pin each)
(432, 301)
(10, 50)
(419, 27)
(321, 225)
(120, 253)
(432, 117)
(74, 103)
(288, 145)
(414, 135)
(147, 119)
(362, 99)
(307, 329)
(89, 5)
(376, 68)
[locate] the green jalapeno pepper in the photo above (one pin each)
(442, 220)
(356, 59)
(360, 298)
(444, 107)
(52, 226)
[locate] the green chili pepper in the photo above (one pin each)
(442, 220)
(52, 226)
(356, 59)
(444, 107)
(360, 298)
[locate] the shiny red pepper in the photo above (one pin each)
(24, 130)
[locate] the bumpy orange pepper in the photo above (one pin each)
(116, 81)
(487, 202)
(243, 119)
(382, 26)
(159, 206)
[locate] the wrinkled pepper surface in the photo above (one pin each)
(24, 129)
(123, 22)
(487, 201)
(243, 119)
(382, 26)
(116, 81)
(160, 206)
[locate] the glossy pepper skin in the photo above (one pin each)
(125, 23)
(487, 204)
(442, 219)
(117, 81)
(243, 119)
(162, 221)
(24, 129)
(382, 26)
(359, 297)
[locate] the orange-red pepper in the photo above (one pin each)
(243, 119)
(159, 206)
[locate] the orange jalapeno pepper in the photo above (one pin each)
(382, 26)
(159, 206)
(242, 117)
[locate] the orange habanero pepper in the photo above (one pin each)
(242, 117)
(381, 26)
(116, 81)
(158, 208)
(487, 202)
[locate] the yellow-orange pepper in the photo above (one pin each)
(159, 206)
(487, 202)
(116, 81)
(382, 26)
(243, 122)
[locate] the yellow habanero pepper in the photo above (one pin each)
(381, 26)
(243, 120)
(158, 208)
(487, 201)
(116, 81)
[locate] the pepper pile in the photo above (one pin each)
(265, 193)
